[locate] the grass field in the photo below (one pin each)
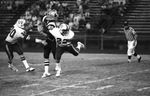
(84, 75)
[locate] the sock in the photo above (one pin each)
(138, 56)
(46, 67)
(58, 66)
(25, 63)
(78, 46)
(9, 62)
(129, 57)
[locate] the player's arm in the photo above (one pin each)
(54, 32)
(40, 41)
(71, 36)
(36, 40)
(40, 29)
(25, 36)
(134, 33)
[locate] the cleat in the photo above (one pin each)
(58, 71)
(81, 44)
(139, 59)
(46, 75)
(12, 67)
(129, 61)
(29, 69)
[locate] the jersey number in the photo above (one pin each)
(12, 32)
(59, 41)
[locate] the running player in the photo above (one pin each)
(131, 37)
(48, 23)
(63, 36)
(11, 44)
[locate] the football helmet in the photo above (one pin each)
(51, 25)
(21, 23)
(64, 29)
(126, 25)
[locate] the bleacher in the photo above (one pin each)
(95, 17)
(7, 19)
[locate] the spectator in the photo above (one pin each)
(100, 2)
(61, 9)
(86, 4)
(34, 19)
(80, 9)
(42, 4)
(76, 20)
(28, 15)
(78, 2)
(82, 22)
(121, 9)
(19, 4)
(87, 14)
(71, 25)
(66, 10)
(55, 5)
(9, 7)
(88, 27)
(71, 15)
(42, 13)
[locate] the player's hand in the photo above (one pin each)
(40, 28)
(134, 43)
(44, 42)
(28, 37)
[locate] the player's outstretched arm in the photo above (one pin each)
(41, 41)
(40, 30)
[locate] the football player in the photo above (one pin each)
(131, 37)
(48, 23)
(63, 36)
(17, 32)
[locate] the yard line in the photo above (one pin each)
(8, 76)
(38, 64)
(145, 88)
(25, 86)
(104, 87)
(88, 82)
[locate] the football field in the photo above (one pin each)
(84, 75)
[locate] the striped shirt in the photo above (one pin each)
(130, 34)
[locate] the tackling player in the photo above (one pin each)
(48, 23)
(131, 37)
(17, 32)
(63, 36)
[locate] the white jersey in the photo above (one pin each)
(62, 40)
(15, 34)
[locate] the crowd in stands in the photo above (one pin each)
(75, 18)
(11, 6)
(110, 10)
(78, 17)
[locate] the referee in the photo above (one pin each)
(131, 37)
